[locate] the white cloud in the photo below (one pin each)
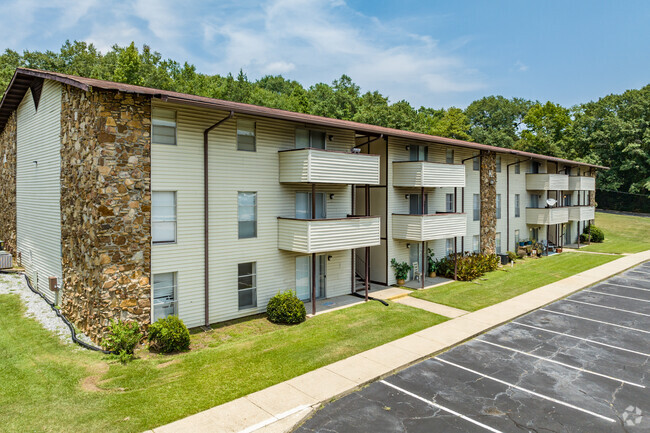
(520, 66)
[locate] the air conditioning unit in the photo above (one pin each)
(356, 150)
(6, 261)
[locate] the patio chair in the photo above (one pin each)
(416, 271)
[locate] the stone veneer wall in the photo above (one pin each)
(488, 188)
(105, 208)
(8, 185)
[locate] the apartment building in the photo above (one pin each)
(144, 203)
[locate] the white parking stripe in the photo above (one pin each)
(594, 320)
(437, 406)
(561, 363)
(609, 308)
(632, 278)
(629, 287)
(636, 270)
(536, 394)
(564, 334)
(618, 296)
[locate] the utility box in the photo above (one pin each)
(6, 261)
(54, 287)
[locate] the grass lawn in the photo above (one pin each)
(508, 282)
(623, 234)
(49, 386)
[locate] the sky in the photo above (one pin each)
(431, 53)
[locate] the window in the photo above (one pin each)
(163, 126)
(164, 295)
(247, 214)
(534, 233)
(498, 206)
(475, 243)
(498, 163)
(303, 205)
(517, 168)
(534, 167)
(450, 246)
(516, 239)
(247, 285)
(476, 161)
(418, 153)
(497, 240)
(517, 212)
(163, 216)
(567, 200)
(306, 138)
(415, 204)
(534, 200)
(246, 135)
(477, 207)
(449, 203)
(450, 156)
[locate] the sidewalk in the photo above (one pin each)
(280, 407)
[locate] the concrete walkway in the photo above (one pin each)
(280, 407)
(431, 307)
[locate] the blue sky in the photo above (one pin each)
(432, 53)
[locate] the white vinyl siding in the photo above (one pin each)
(163, 126)
(164, 295)
(163, 216)
(246, 135)
(38, 186)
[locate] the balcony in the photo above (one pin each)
(429, 227)
(422, 174)
(330, 234)
(582, 213)
(547, 216)
(325, 166)
(546, 182)
(582, 183)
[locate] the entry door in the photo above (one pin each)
(303, 276)
(415, 256)
(415, 204)
(303, 205)
(568, 238)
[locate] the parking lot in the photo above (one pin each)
(581, 364)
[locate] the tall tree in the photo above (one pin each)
(128, 66)
(453, 124)
(545, 129)
(497, 121)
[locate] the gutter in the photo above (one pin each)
(206, 237)
(508, 203)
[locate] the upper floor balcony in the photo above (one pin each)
(582, 183)
(327, 166)
(547, 181)
(424, 174)
(328, 234)
(582, 213)
(547, 216)
(429, 227)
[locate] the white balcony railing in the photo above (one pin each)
(429, 227)
(582, 213)
(428, 174)
(324, 166)
(547, 216)
(546, 182)
(582, 183)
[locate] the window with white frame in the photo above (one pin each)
(164, 295)
(517, 168)
(247, 285)
(498, 242)
(163, 126)
(450, 246)
(246, 135)
(476, 162)
(247, 214)
(418, 153)
(163, 216)
(450, 156)
(475, 243)
(516, 239)
(308, 138)
(477, 207)
(449, 203)
(498, 163)
(517, 211)
(498, 206)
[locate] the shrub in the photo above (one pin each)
(512, 256)
(286, 308)
(169, 335)
(469, 267)
(401, 269)
(597, 234)
(122, 338)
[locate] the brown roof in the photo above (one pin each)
(25, 78)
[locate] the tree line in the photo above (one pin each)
(612, 131)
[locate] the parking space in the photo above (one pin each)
(581, 364)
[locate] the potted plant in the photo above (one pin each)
(401, 271)
(431, 263)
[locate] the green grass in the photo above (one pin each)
(623, 234)
(53, 387)
(508, 282)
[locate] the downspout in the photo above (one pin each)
(206, 219)
(462, 200)
(508, 203)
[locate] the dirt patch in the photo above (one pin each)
(89, 384)
(168, 363)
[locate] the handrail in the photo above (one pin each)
(329, 151)
(431, 162)
(330, 219)
(430, 214)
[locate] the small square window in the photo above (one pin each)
(247, 285)
(163, 126)
(246, 135)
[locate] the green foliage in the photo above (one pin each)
(122, 338)
(286, 308)
(401, 269)
(513, 256)
(468, 267)
(431, 262)
(597, 235)
(169, 335)
(453, 124)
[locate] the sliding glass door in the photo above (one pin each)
(303, 276)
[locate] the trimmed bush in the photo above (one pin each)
(512, 256)
(469, 267)
(597, 234)
(286, 308)
(122, 338)
(169, 335)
